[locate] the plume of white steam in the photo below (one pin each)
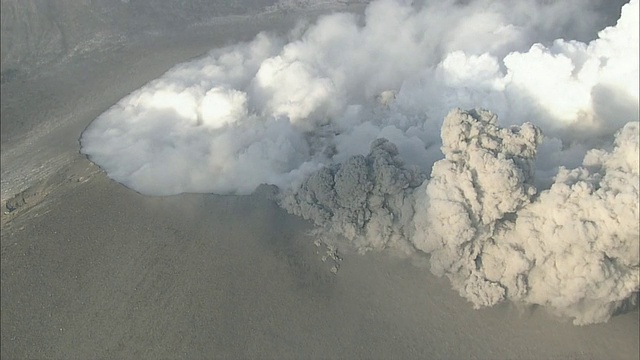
(269, 111)
(304, 114)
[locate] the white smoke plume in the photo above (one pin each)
(501, 215)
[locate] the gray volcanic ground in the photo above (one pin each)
(495, 145)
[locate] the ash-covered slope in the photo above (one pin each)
(36, 33)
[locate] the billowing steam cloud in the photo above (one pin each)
(346, 117)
